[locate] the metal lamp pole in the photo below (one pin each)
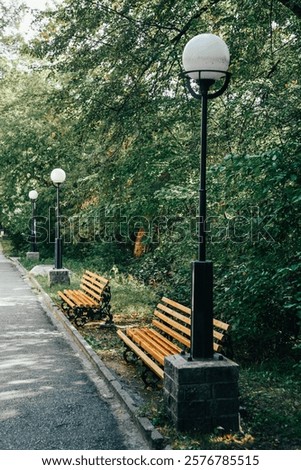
(58, 176)
(206, 59)
(33, 195)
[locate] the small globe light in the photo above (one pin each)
(33, 195)
(58, 176)
(206, 52)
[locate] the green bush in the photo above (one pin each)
(258, 261)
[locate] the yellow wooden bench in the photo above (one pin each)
(89, 303)
(168, 335)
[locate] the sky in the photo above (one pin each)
(33, 4)
(25, 27)
(40, 4)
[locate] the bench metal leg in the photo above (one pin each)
(65, 307)
(129, 356)
(106, 307)
(78, 317)
(150, 379)
(104, 312)
(68, 311)
(228, 347)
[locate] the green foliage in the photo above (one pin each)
(258, 277)
(103, 98)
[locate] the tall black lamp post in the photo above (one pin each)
(58, 177)
(206, 60)
(33, 195)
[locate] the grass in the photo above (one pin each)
(269, 392)
(7, 247)
(271, 400)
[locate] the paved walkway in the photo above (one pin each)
(48, 394)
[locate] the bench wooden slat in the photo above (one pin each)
(97, 276)
(150, 337)
(145, 336)
(162, 340)
(174, 314)
(79, 298)
(147, 360)
(73, 296)
(85, 298)
(169, 334)
(219, 336)
(186, 341)
(90, 301)
(217, 347)
(172, 323)
(148, 346)
(177, 305)
(93, 283)
(66, 299)
(91, 292)
(220, 324)
(182, 339)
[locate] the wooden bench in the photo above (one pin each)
(89, 303)
(169, 334)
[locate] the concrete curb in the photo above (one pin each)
(151, 434)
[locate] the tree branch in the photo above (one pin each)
(186, 27)
(188, 24)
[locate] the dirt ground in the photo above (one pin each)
(110, 349)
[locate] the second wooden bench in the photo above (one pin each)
(169, 334)
(89, 303)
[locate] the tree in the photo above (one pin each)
(294, 6)
(128, 131)
(33, 141)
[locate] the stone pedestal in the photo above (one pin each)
(33, 255)
(201, 395)
(58, 276)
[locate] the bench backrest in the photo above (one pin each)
(93, 284)
(174, 320)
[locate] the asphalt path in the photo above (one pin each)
(49, 397)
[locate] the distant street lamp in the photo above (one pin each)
(33, 195)
(58, 177)
(205, 59)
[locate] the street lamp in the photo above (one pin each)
(33, 195)
(58, 177)
(205, 59)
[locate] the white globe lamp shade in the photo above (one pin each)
(206, 52)
(33, 195)
(58, 176)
